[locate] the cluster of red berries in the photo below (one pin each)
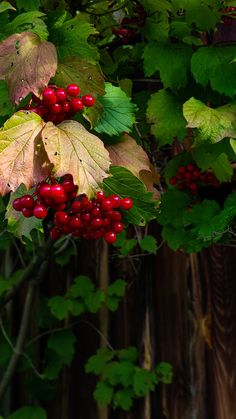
(58, 104)
(72, 214)
(228, 15)
(190, 177)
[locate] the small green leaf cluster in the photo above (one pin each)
(122, 380)
(82, 296)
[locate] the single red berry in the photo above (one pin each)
(88, 100)
(100, 195)
(97, 222)
(27, 212)
(44, 190)
(96, 212)
(180, 186)
(193, 186)
(179, 176)
(110, 237)
(56, 190)
(76, 207)
(68, 186)
(76, 104)
(55, 233)
(116, 200)
(197, 173)
(172, 181)
(106, 204)
(117, 227)
(188, 175)
(61, 218)
(86, 216)
(75, 222)
(27, 201)
(17, 204)
(126, 203)
(60, 207)
(182, 170)
(73, 89)
(40, 211)
(106, 222)
(49, 96)
(191, 167)
(65, 107)
(61, 95)
(55, 108)
(61, 198)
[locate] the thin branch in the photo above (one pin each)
(18, 349)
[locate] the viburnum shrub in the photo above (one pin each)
(113, 114)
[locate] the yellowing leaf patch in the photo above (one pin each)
(22, 156)
(26, 64)
(72, 149)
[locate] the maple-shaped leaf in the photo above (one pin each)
(73, 149)
(89, 78)
(22, 155)
(27, 64)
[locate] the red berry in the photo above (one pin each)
(49, 96)
(61, 95)
(88, 100)
(117, 227)
(172, 181)
(55, 234)
(86, 216)
(17, 204)
(76, 105)
(126, 203)
(73, 89)
(107, 204)
(96, 212)
(61, 217)
(188, 175)
(193, 186)
(68, 186)
(76, 207)
(75, 222)
(27, 212)
(55, 108)
(116, 200)
(197, 173)
(56, 190)
(40, 211)
(100, 196)
(97, 222)
(45, 190)
(27, 201)
(68, 176)
(114, 215)
(191, 167)
(110, 237)
(106, 222)
(182, 170)
(65, 107)
(179, 176)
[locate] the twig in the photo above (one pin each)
(20, 341)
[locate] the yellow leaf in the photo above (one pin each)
(73, 149)
(22, 155)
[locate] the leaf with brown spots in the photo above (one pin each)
(22, 156)
(26, 64)
(73, 149)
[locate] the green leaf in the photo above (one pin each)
(213, 124)
(164, 371)
(28, 22)
(60, 306)
(216, 65)
(208, 157)
(149, 244)
(129, 354)
(29, 412)
(111, 374)
(97, 362)
(205, 14)
(117, 288)
(27, 5)
(71, 39)
(201, 213)
(62, 343)
(171, 60)
(124, 184)
(103, 393)
(172, 205)
(76, 307)
(94, 301)
(164, 107)
(82, 287)
(17, 224)
(118, 114)
(6, 107)
(5, 5)
(112, 303)
(123, 399)
(53, 367)
(144, 381)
